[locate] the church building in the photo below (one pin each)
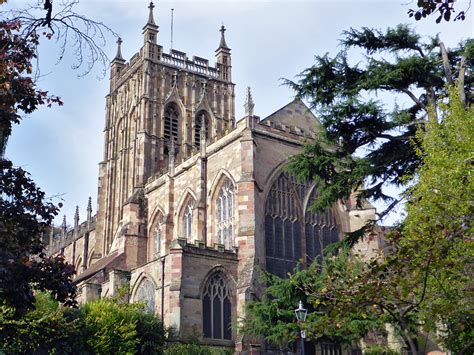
(192, 202)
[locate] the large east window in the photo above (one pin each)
(292, 229)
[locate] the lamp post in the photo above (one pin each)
(300, 313)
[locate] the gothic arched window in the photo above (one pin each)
(202, 118)
(158, 235)
(171, 126)
(217, 309)
(225, 214)
(187, 219)
(287, 224)
(146, 294)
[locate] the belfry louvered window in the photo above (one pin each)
(171, 126)
(225, 214)
(201, 119)
(146, 294)
(217, 309)
(291, 231)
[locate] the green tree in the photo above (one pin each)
(115, 327)
(327, 289)
(48, 329)
(371, 142)
(437, 234)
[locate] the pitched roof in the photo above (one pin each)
(296, 113)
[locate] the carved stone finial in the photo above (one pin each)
(89, 204)
(64, 225)
(151, 20)
(76, 217)
(119, 49)
(223, 44)
(249, 104)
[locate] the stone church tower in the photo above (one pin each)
(191, 202)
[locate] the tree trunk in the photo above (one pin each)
(462, 73)
(447, 67)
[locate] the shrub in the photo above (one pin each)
(195, 349)
(47, 329)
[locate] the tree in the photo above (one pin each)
(25, 215)
(437, 234)
(18, 91)
(327, 288)
(445, 8)
(105, 326)
(60, 22)
(371, 144)
(115, 327)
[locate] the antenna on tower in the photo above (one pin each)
(172, 13)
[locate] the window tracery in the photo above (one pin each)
(291, 231)
(225, 214)
(146, 294)
(217, 309)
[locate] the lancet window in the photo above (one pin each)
(158, 235)
(146, 294)
(225, 214)
(187, 219)
(201, 119)
(291, 231)
(217, 309)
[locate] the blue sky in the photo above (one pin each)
(62, 146)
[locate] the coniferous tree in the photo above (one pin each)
(368, 145)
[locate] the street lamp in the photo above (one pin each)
(300, 313)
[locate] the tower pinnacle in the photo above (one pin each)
(151, 20)
(223, 44)
(249, 104)
(119, 49)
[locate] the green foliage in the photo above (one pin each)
(195, 349)
(327, 289)
(365, 143)
(122, 328)
(47, 329)
(379, 350)
(100, 327)
(438, 230)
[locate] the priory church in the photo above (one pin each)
(192, 201)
